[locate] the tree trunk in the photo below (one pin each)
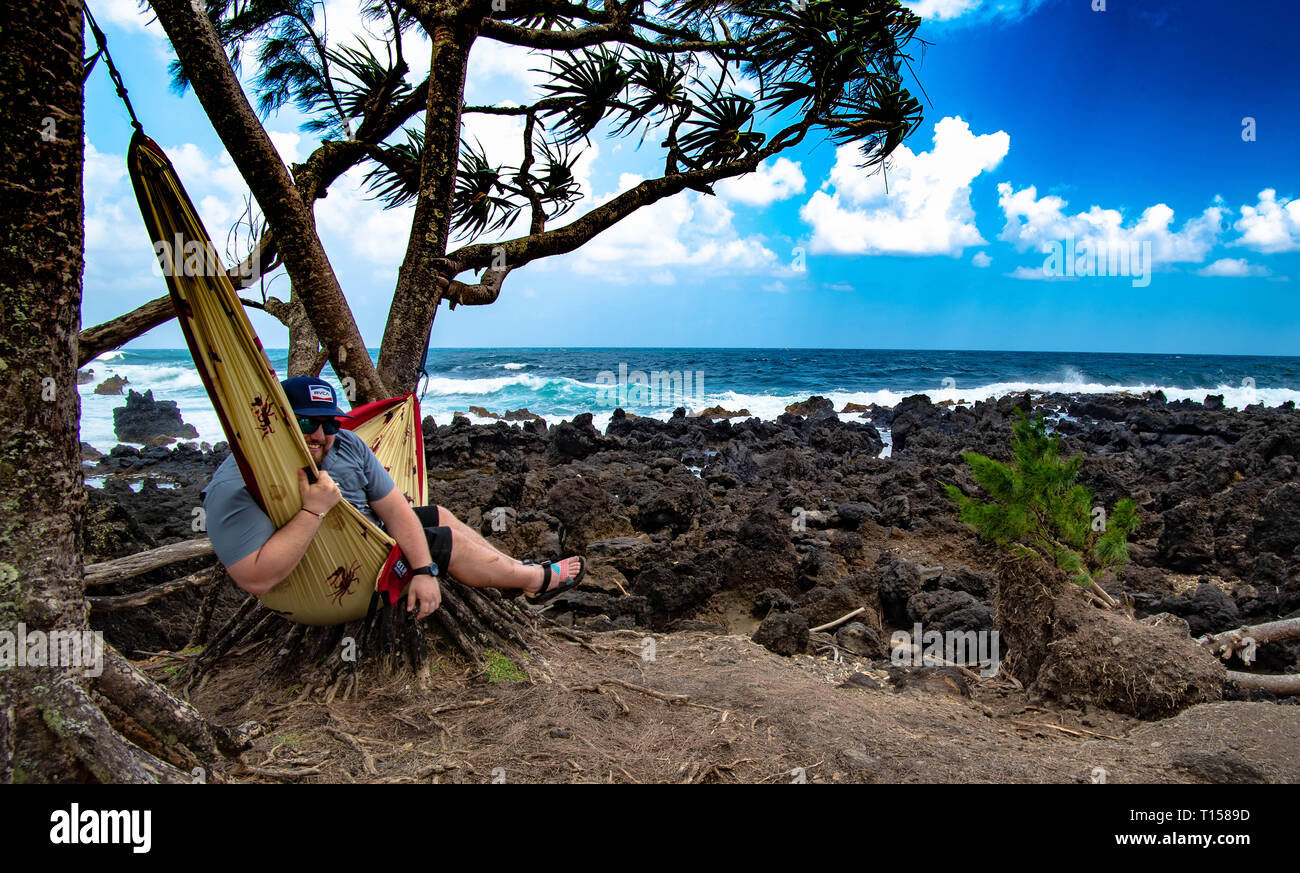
(41, 245)
(289, 217)
(415, 301)
(51, 728)
(303, 344)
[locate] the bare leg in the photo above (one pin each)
(478, 564)
(446, 519)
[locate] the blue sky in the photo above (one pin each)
(1048, 125)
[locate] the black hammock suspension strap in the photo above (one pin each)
(424, 363)
(102, 42)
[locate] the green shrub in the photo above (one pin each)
(1036, 506)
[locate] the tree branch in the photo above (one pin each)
(208, 69)
(481, 294)
(595, 34)
(521, 250)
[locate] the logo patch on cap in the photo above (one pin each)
(322, 393)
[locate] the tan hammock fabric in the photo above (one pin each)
(349, 555)
(392, 430)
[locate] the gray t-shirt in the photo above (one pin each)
(237, 526)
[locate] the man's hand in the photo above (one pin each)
(424, 591)
(320, 497)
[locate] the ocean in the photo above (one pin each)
(561, 383)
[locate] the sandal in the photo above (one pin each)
(562, 585)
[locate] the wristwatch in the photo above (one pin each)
(429, 570)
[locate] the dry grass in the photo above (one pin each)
(706, 709)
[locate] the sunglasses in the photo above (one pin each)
(308, 425)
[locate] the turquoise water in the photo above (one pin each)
(560, 383)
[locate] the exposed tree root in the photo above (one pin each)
(73, 716)
(470, 620)
(168, 717)
(1282, 685)
(203, 621)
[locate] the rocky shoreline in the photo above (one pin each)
(774, 527)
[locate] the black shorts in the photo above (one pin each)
(439, 537)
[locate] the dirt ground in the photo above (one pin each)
(696, 707)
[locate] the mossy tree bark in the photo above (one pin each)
(52, 724)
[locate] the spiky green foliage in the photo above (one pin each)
(1036, 504)
(758, 74)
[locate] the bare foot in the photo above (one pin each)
(561, 571)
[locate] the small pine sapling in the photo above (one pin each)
(1037, 508)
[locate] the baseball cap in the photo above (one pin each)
(311, 396)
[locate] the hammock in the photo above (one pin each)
(392, 430)
(350, 558)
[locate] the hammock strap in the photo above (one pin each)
(102, 42)
(424, 363)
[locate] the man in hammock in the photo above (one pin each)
(258, 556)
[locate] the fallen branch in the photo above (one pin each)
(250, 770)
(1229, 643)
(840, 620)
(118, 569)
(469, 704)
(1284, 684)
(1099, 592)
(658, 695)
(1074, 732)
(149, 595)
(596, 689)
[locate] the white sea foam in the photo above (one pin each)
(560, 398)
(490, 385)
(141, 377)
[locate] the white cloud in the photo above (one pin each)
(288, 144)
(981, 259)
(348, 220)
(127, 15)
(689, 231)
(772, 181)
(194, 168)
(1233, 268)
(1040, 223)
(925, 210)
(972, 11)
(941, 10)
(494, 66)
(1270, 226)
(1037, 274)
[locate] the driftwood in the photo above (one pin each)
(840, 620)
(1284, 684)
(116, 570)
(120, 602)
(1242, 642)
(1244, 639)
